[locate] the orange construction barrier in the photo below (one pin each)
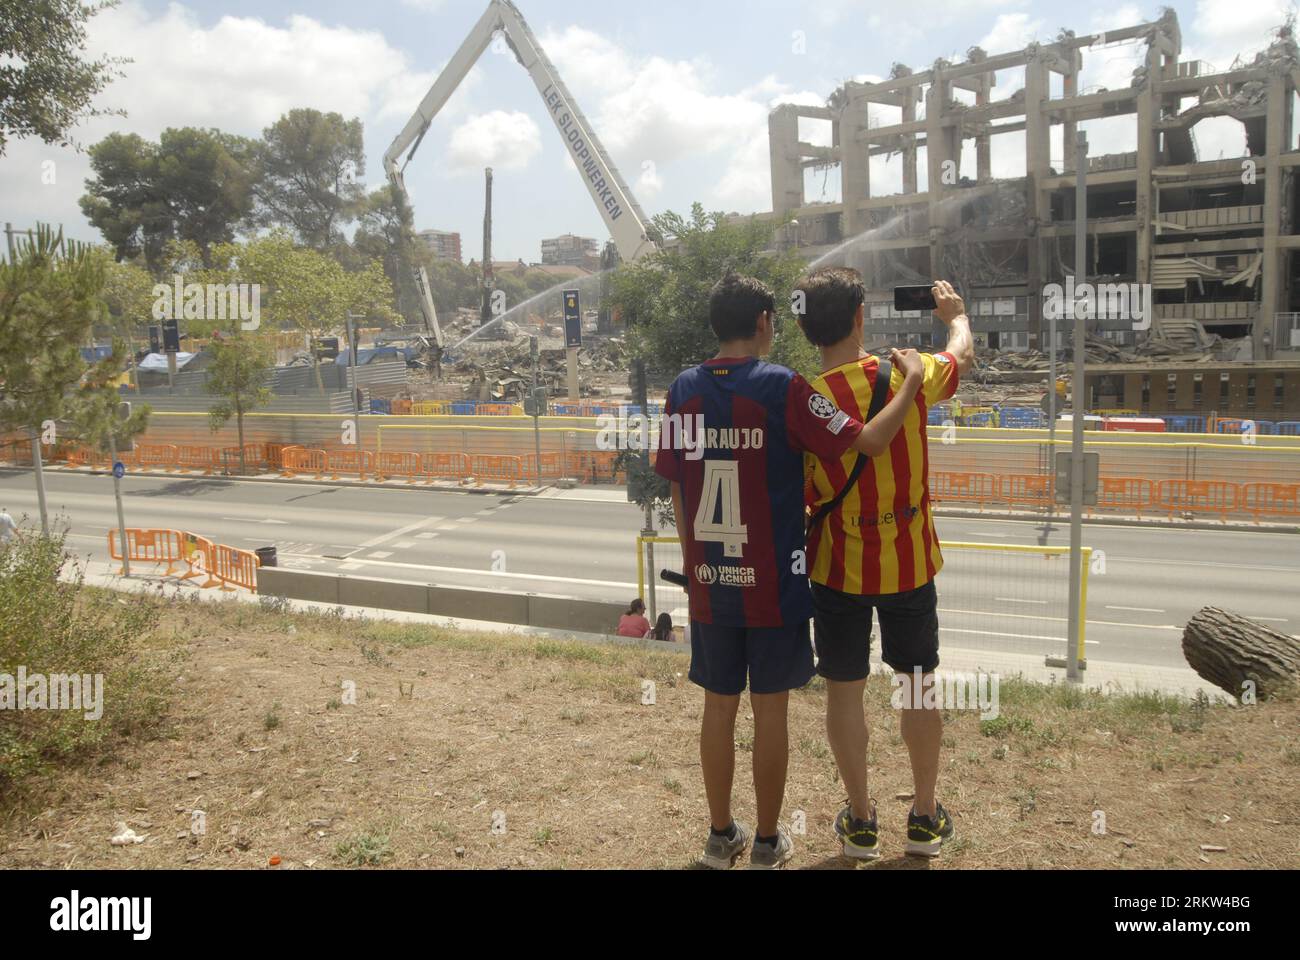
(390, 464)
(444, 466)
(1198, 496)
(298, 460)
(198, 554)
(977, 488)
(148, 455)
(484, 466)
(1031, 489)
(595, 466)
(360, 462)
(196, 458)
(1125, 493)
(234, 566)
(81, 457)
(552, 465)
(148, 546)
(1275, 499)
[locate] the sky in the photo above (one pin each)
(679, 92)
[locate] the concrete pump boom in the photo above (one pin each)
(626, 221)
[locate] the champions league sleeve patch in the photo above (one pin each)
(821, 407)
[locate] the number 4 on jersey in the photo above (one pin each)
(721, 490)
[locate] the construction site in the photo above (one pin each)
(1213, 238)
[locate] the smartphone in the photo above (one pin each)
(914, 298)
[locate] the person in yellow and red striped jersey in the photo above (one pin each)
(877, 552)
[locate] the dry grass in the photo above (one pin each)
(454, 732)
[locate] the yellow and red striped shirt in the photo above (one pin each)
(881, 537)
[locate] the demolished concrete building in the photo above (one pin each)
(1215, 238)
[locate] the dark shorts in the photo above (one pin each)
(771, 659)
(909, 631)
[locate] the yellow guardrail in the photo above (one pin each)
(1085, 567)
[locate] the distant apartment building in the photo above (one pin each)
(572, 251)
(443, 244)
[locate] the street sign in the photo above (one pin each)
(119, 470)
(171, 333)
(572, 320)
(1091, 471)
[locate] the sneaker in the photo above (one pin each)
(772, 856)
(859, 839)
(926, 835)
(721, 853)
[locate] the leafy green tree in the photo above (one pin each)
(50, 297)
(193, 185)
(665, 297)
(128, 295)
(309, 290)
(46, 85)
(454, 285)
(385, 233)
(238, 375)
(309, 169)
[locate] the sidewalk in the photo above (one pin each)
(1107, 676)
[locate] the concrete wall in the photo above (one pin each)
(463, 603)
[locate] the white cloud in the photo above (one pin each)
(1011, 31)
(507, 141)
(238, 74)
(669, 112)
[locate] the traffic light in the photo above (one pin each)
(535, 403)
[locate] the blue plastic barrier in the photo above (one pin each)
(1021, 418)
(1179, 423)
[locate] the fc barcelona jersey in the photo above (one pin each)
(733, 435)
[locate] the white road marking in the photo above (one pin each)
(403, 544)
(425, 536)
(1015, 636)
(409, 528)
(1038, 616)
(381, 555)
(283, 523)
(1270, 619)
(1015, 600)
(466, 520)
(481, 573)
(1135, 609)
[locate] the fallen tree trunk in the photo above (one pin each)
(1231, 651)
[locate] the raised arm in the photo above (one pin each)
(879, 433)
(951, 310)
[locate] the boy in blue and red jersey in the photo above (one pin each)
(732, 448)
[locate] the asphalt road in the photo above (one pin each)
(581, 543)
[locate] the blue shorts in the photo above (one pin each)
(771, 659)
